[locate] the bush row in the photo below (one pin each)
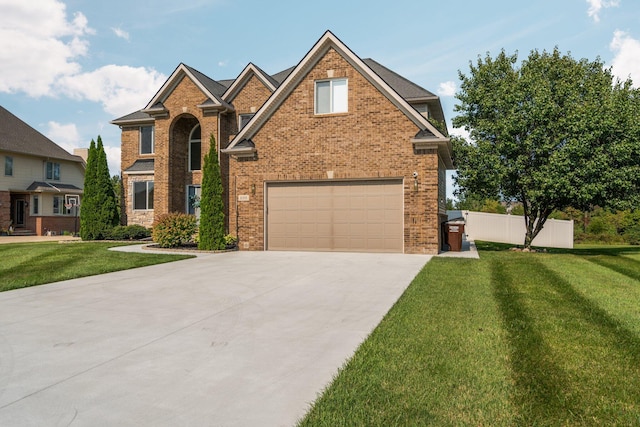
(127, 232)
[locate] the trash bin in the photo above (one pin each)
(453, 235)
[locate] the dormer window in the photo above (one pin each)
(331, 96)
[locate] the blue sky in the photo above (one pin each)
(71, 66)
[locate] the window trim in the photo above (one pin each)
(153, 140)
(146, 192)
(8, 161)
(248, 116)
(55, 167)
(331, 96)
(35, 205)
(62, 209)
(192, 141)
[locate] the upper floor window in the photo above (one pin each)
(8, 166)
(331, 96)
(146, 140)
(53, 171)
(195, 149)
(244, 119)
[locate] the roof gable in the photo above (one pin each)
(18, 137)
(326, 42)
(211, 89)
(243, 78)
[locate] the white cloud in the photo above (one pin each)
(120, 89)
(460, 132)
(596, 5)
(38, 45)
(66, 136)
(119, 32)
(113, 159)
(447, 88)
(626, 62)
(223, 63)
(39, 52)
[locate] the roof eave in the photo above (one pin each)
(443, 145)
(132, 122)
(241, 152)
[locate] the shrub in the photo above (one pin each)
(128, 232)
(230, 241)
(632, 235)
(174, 229)
(136, 232)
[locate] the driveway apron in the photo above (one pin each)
(230, 339)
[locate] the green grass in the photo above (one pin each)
(536, 339)
(29, 264)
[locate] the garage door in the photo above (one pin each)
(357, 216)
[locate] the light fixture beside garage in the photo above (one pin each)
(253, 189)
(415, 181)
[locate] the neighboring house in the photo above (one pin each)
(37, 179)
(334, 154)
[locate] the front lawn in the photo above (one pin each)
(29, 264)
(511, 339)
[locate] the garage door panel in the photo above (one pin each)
(336, 216)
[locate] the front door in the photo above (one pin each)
(20, 212)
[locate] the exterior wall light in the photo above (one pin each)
(253, 189)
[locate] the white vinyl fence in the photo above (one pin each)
(511, 229)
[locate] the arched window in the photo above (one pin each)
(195, 149)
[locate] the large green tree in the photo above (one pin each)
(99, 210)
(551, 132)
(212, 229)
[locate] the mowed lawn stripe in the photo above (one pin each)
(621, 264)
(540, 380)
(589, 372)
(30, 264)
(510, 339)
(439, 357)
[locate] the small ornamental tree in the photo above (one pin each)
(212, 229)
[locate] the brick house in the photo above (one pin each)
(337, 153)
(38, 179)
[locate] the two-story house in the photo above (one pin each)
(38, 180)
(337, 153)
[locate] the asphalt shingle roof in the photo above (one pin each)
(52, 187)
(141, 165)
(405, 88)
(18, 137)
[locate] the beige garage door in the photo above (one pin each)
(357, 216)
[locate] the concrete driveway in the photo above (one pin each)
(233, 339)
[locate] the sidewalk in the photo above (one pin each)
(468, 251)
(33, 239)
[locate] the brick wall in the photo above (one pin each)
(372, 140)
(5, 209)
(171, 135)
